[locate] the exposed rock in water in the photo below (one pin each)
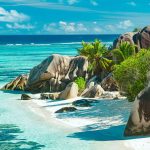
(66, 109)
(141, 38)
(71, 91)
(25, 97)
(84, 103)
(93, 92)
(109, 83)
(52, 96)
(139, 120)
(55, 72)
(18, 84)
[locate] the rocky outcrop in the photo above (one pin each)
(93, 92)
(55, 72)
(109, 83)
(18, 84)
(66, 109)
(139, 120)
(141, 38)
(128, 37)
(25, 97)
(71, 91)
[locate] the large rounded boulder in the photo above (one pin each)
(141, 39)
(126, 37)
(55, 72)
(71, 91)
(93, 92)
(139, 120)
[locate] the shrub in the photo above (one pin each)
(80, 81)
(124, 51)
(131, 75)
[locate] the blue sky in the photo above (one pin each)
(72, 16)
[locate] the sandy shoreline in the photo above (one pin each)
(102, 124)
(79, 122)
(46, 109)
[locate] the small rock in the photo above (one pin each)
(93, 92)
(25, 97)
(71, 91)
(83, 103)
(66, 109)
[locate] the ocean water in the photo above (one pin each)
(18, 54)
(20, 128)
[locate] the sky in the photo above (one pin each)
(73, 16)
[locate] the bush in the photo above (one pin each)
(131, 75)
(80, 81)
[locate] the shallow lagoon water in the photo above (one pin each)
(21, 129)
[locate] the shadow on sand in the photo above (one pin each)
(113, 133)
(9, 140)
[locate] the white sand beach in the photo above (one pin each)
(102, 123)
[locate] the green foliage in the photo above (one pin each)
(131, 74)
(97, 54)
(137, 29)
(80, 81)
(124, 51)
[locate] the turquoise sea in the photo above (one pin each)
(20, 128)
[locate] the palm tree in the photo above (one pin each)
(97, 54)
(124, 51)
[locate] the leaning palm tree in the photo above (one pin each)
(97, 54)
(124, 51)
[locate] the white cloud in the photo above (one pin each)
(98, 30)
(20, 26)
(94, 3)
(67, 27)
(12, 16)
(71, 2)
(125, 24)
(110, 27)
(81, 27)
(132, 3)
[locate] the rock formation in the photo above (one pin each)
(141, 38)
(109, 83)
(18, 84)
(66, 109)
(55, 72)
(139, 120)
(93, 92)
(25, 97)
(71, 91)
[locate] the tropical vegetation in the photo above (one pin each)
(98, 56)
(124, 51)
(80, 81)
(129, 68)
(131, 74)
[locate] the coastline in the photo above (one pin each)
(89, 127)
(116, 141)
